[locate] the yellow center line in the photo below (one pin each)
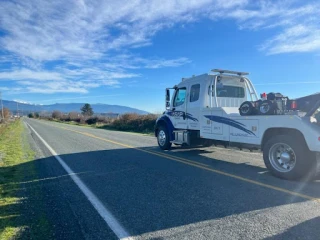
(198, 165)
(128, 146)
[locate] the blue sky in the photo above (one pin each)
(128, 52)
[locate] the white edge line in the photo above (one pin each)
(96, 203)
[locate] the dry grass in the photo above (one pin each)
(127, 122)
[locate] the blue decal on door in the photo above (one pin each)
(230, 122)
(180, 114)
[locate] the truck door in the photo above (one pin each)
(193, 110)
(178, 110)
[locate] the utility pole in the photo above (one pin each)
(17, 110)
(1, 106)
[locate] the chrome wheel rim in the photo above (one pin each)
(161, 138)
(264, 108)
(282, 157)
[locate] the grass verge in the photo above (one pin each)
(15, 167)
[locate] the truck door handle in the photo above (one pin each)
(184, 116)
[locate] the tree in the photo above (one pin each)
(87, 110)
(30, 115)
(6, 113)
(56, 114)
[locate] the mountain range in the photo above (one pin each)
(26, 108)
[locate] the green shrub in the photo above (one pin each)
(92, 120)
(135, 122)
(126, 122)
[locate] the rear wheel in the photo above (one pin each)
(288, 158)
(163, 138)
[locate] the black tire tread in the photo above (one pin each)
(168, 144)
(305, 161)
(251, 110)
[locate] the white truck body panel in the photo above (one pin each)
(250, 129)
(224, 122)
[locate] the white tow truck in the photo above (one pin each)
(223, 108)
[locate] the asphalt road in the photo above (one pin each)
(131, 189)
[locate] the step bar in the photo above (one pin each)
(181, 137)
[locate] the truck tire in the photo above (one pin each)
(247, 108)
(287, 158)
(267, 107)
(163, 138)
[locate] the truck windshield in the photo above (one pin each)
(179, 97)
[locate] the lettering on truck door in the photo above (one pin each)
(178, 112)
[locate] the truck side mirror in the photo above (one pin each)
(167, 95)
(167, 98)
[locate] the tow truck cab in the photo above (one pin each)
(193, 97)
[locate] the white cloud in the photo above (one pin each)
(21, 101)
(50, 30)
(299, 38)
(24, 74)
(4, 89)
(54, 87)
(297, 24)
(163, 63)
(87, 44)
(83, 97)
(132, 62)
(46, 30)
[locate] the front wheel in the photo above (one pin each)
(163, 138)
(288, 158)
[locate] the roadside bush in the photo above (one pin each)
(82, 120)
(92, 120)
(135, 122)
(126, 122)
(6, 113)
(64, 118)
(34, 115)
(103, 120)
(74, 116)
(56, 114)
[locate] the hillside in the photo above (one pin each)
(69, 107)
